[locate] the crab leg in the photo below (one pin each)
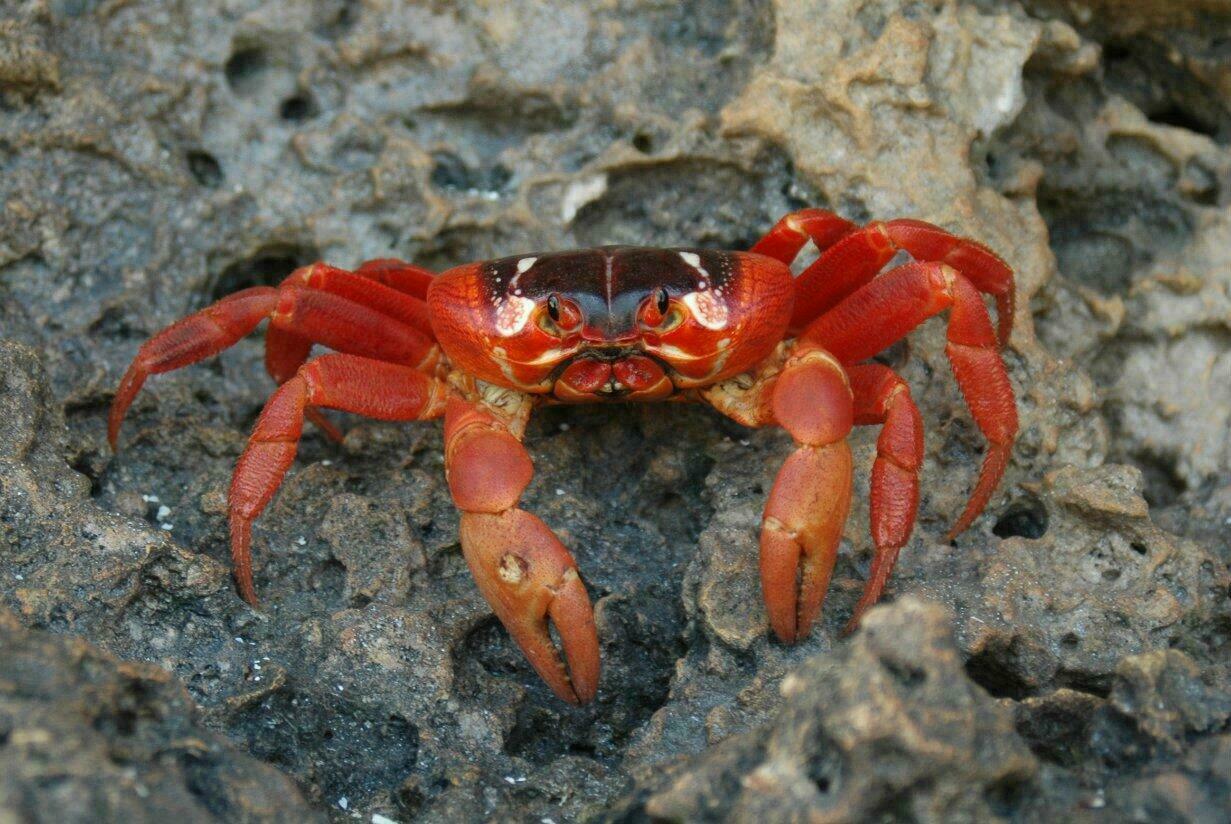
(398, 274)
(307, 314)
(881, 397)
(885, 310)
(522, 569)
(855, 259)
(375, 389)
(790, 233)
(390, 287)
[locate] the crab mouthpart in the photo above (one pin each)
(613, 374)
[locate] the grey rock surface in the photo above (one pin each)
(1066, 659)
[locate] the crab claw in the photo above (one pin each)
(804, 516)
(528, 577)
(807, 507)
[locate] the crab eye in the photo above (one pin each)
(658, 313)
(562, 316)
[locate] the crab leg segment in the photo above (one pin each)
(372, 388)
(885, 310)
(856, 258)
(386, 286)
(881, 397)
(808, 505)
(788, 236)
(189, 340)
(383, 325)
(522, 569)
(398, 274)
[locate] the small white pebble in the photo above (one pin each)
(745, 443)
(238, 640)
(377, 818)
(256, 678)
(256, 666)
(167, 527)
(150, 499)
(326, 463)
(301, 540)
(508, 779)
(564, 427)
(340, 688)
(163, 512)
(344, 802)
(19, 576)
(547, 821)
(559, 491)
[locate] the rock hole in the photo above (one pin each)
(265, 267)
(298, 108)
(1163, 483)
(1006, 795)
(204, 168)
(996, 670)
(1139, 548)
(643, 142)
(1110, 575)
(824, 766)
(1025, 518)
(907, 675)
(244, 68)
(1070, 641)
(1175, 116)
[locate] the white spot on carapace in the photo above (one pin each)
(692, 259)
(525, 263)
(708, 308)
(511, 317)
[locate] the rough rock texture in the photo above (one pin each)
(1070, 660)
(89, 738)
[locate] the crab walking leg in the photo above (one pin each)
(885, 310)
(788, 236)
(189, 340)
(286, 351)
(398, 274)
(857, 257)
(881, 397)
(808, 504)
(321, 317)
(522, 569)
(375, 389)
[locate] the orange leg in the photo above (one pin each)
(885, 310)
(881, 397)
(857, 256)
(790, 233)
(399, 275)
(386, 286)
(522, 569)
(305, 315)
(373, 388)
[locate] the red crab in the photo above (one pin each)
(485, 343)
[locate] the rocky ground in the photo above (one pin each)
(1067, 658)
